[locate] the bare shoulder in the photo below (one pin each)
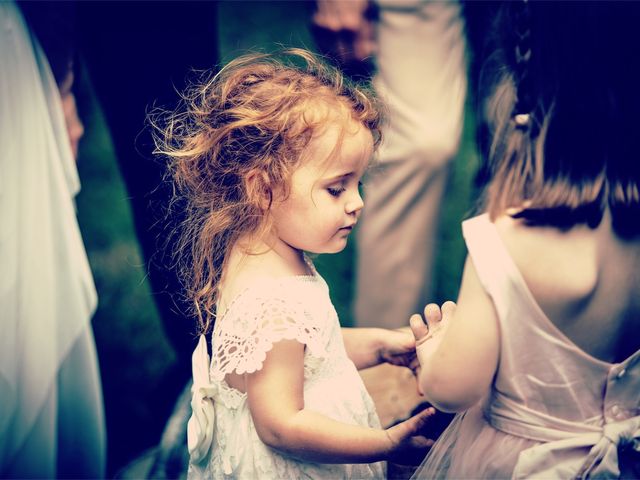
(584, 280)
(558, 266)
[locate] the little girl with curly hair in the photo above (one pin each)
(269, 155)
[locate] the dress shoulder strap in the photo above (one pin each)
(495, 268)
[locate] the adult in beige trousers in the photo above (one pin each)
(420, 50)
(422, 78)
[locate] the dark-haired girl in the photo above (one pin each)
(540, 355)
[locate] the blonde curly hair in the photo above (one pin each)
(235, 139)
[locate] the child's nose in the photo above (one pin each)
(354, 203)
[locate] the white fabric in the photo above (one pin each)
(266, 312)
(422, 79)
(50, 395)
(202, 422)
(553, 411)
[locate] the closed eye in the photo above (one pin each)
(335, 191)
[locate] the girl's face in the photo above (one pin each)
(324, 201)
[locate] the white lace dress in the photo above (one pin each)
(222, 437)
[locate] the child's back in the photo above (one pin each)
(586, 281)
(560, 330)
(542, 353)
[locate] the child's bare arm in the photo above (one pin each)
(368, 347)
(276, 401)
(458, 367)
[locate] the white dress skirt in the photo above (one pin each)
(223, 440)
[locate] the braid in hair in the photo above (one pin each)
(512, 112)
(523, 111)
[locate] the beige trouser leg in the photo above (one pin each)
(422, 79)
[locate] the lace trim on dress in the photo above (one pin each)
(243, 339)
(233, 399)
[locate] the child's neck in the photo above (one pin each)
(265, 259)
(260, 261)
(292, 257)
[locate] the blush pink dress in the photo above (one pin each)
(553, 411)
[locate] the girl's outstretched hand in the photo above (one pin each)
(428, 333)
(408, 445)
(434, 323)
(399, 348)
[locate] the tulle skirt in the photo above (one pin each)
(471, 448)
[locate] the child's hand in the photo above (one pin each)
(399, 348)
(436, 321)
(429, 333)
(408, 445)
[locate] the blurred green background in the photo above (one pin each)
(133, 350)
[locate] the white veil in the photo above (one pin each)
(47, 295)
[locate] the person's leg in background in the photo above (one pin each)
(422, 79)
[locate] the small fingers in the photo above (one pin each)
(418, 327)
(432, 314)
(409, 427)
(448, 309)
(419, 420)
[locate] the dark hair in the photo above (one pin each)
(53, 24)
(574, 154)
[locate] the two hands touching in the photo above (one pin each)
(411, 347)
(409, 438)
(399, 347)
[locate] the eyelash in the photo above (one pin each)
(335, 192)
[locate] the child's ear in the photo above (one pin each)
(258, 188)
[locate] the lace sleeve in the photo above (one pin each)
(245, 336)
